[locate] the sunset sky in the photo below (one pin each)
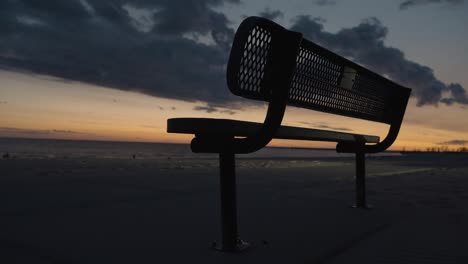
(117, 70)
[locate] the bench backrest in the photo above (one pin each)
(321, 80)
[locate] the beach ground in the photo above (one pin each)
(83, 210)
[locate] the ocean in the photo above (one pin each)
(58, 148)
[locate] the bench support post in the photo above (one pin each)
(230, 239)
(360, 180)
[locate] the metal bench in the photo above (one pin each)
(272, 64)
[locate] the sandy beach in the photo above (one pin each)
(124, 210)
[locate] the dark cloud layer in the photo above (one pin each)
(173, 49)
(411, 3)
(364, 44)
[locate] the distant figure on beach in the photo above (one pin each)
(6, 155)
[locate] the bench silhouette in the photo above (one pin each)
(272, 64)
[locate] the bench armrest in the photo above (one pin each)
(401, 101)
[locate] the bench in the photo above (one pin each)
(272, 64)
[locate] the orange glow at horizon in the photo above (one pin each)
(44, 107)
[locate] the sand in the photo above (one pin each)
(83, 210)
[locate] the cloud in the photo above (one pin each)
(334, 128)
(454, 142)
(411, 3)
(212, 109)
(175, 49)
(227, 111)
(364, 44)
(64, 131)
(458, 95)
(208, 109)
(271, 14)
(171, 49)
(324, 126)
(24, 132)
(324, 2)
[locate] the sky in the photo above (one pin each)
(117, 70)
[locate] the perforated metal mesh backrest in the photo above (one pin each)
(327, 84)
(252, 62)
(322, 80)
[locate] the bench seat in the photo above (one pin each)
(209, 126)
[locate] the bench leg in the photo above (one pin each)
(360, 180)
(230, 239)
